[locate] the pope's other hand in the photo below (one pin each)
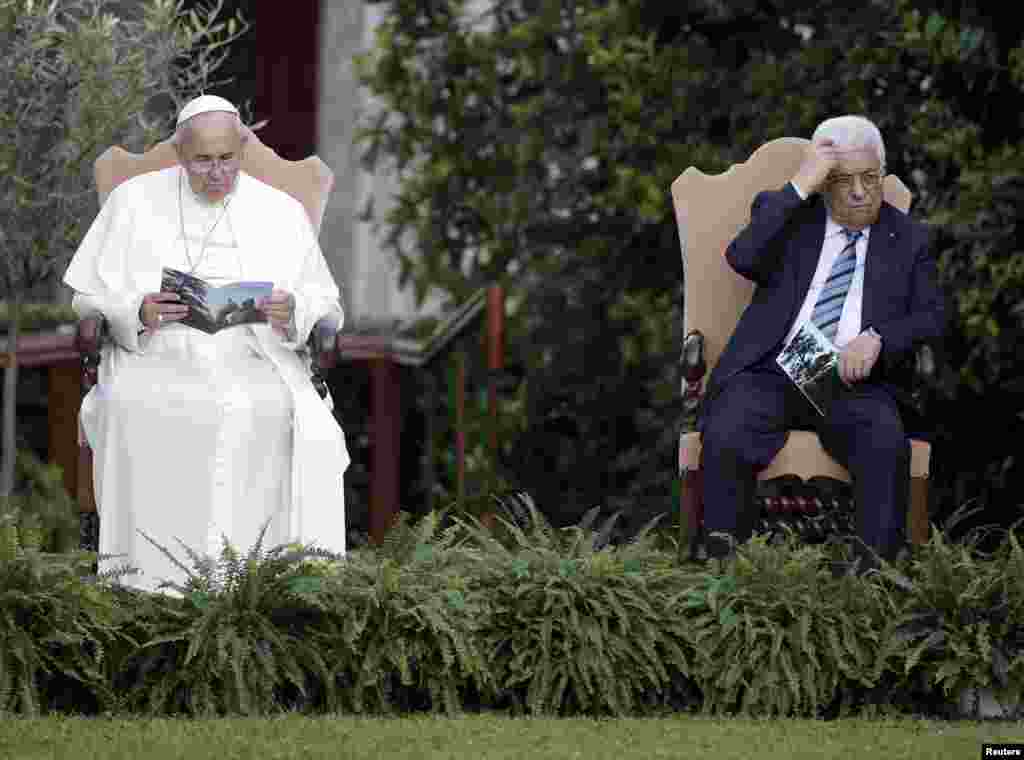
(158, 308)
(279, 309)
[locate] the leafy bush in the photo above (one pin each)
(56, 630)
(232, 641)
(40, 515)
(960, 621)
(579, 626)
(37, 316)
(403, 625)
(448, 616)
(777, 633)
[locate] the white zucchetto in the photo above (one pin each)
(205, 104)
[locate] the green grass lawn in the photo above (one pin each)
(494, 737)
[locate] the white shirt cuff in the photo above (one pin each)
(801, 193)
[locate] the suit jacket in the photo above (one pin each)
(779, 252)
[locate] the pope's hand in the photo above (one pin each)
(821, 157)
(858, 357)
(158, 308)
(279, 309)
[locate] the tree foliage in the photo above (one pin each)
(535, 142)
(77, 77)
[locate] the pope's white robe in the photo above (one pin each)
(196, 436)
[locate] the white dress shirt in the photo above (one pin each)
(850, 322)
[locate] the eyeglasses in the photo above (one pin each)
(207, 165)
(870, 180)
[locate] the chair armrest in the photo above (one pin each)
(692, 361)
(323, 341)
(693, 368)
(924, 363)
(923, 378)
(90, 333)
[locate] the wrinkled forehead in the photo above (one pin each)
(858, 160)
(212, 133)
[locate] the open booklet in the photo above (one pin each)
(812, 362)
(212, 308)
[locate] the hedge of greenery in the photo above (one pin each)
(38, 316)
(448, 617)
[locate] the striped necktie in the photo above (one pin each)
(829, 307)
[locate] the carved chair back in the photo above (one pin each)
(309, 181)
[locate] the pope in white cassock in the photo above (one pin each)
(198, 435)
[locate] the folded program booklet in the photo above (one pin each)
(812, 363)
(212, 308)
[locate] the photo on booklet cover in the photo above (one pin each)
(812, 363)
(212, 308)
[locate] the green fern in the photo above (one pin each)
(40, 515)
(452, 615)
(401, 627)
(795, 639)
(230, 645)
(578, 626)
(960, 616)
(57, 629)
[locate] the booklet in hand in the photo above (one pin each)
(812, 363)
(212, 308)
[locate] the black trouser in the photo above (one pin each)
(746, 427)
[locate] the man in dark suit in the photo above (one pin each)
(824, 249)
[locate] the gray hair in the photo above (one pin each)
(184, 131)
(850, 132)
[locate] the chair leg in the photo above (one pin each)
(88, 516)
(89, 532)
(85, 493)
(917, 515)
(692, 509)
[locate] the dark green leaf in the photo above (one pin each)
(934, 26)
(456, 599)
(305, 584)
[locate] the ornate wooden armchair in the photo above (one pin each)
(309, 181)
(710, 212)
